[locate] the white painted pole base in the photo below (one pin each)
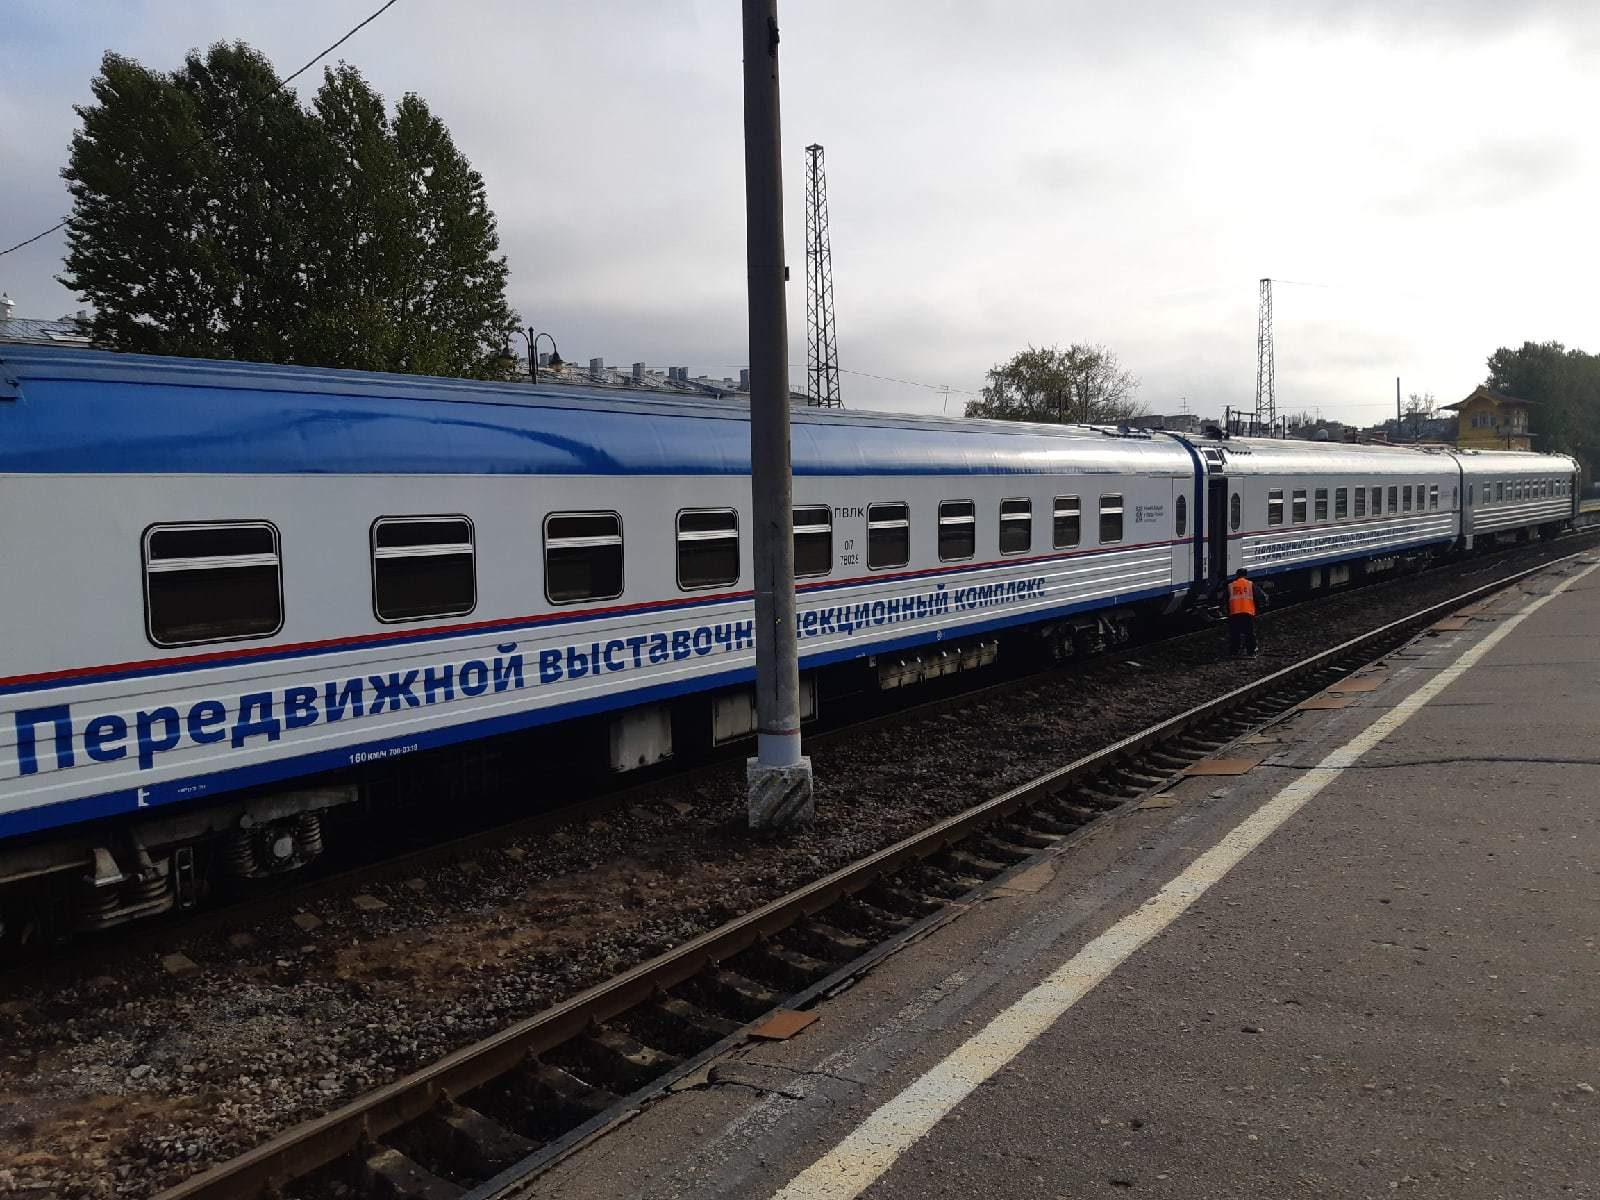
(780, 796)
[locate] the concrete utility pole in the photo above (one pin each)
(779, 776)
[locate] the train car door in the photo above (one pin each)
(1217, 528)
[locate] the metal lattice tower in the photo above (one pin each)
(822, 348)
(1266, 367)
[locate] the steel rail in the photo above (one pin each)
(304, 1148)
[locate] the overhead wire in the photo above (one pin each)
(201, 140)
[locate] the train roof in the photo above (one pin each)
(90, 412)
(1276, 456)
(1280, 456)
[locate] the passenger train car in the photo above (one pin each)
(235, 594)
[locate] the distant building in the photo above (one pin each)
(66, 331)
(1491, 420)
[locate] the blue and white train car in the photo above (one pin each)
(1511, 493)
(233, 592)
(1326, 511)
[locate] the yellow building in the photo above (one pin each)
(1491, 420)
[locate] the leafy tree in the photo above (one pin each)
(1081, 384)
(1564, 387)
(215, 216)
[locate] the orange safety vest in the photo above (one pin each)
(1241, 598)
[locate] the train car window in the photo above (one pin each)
(1405, 498)
(1377, 502)
(708, 548)
(423, 567)
(1235, 512)
(1016, 526)
(1499, 490)
(1275, 506)
(1320, 505)
(582, 556)
(1471, 488)
(1341, 503)
(1297, 514)
(1181, 519)
(1361, 501)
(813, 540)
(1433, 495)
(958, 530)
(1394, 499)
(1110, 518)
(888, 535)
(1068, 526)
(212, 582)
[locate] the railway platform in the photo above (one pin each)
(1361, 960)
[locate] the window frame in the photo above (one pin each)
(810, 529)
(1359, 496)
(707, 536)
(620, 542)
(1319, 506)
(411, 519)
(970, 520)
(1120, 512)
(1235, 511)
(1433, 497)
(888, 523)
(1180, 516)
(1394, 499)
(1341, 504)
(1299, 506)
(1055, 516)
(1274, 505)
(1405, 497)
(1376, 507)
(144, 575)
(1025, 520)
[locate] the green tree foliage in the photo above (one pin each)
(1564, 386)
(216, 216)
(1079, 385)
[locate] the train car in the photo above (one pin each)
(1514, 494)
(1317, 514)
(236, 594)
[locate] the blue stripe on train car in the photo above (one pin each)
(127, 800)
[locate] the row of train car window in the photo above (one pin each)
(221, 581)
(1401, 498)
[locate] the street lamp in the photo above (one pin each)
(532, 338)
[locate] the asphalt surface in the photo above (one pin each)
(1395, 993)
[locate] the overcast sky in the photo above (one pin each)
(999, 174)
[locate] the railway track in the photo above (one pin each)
(487, 1119)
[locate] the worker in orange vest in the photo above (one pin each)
(1243, 598)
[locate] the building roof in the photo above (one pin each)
(66, 331)
(1498, 397)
